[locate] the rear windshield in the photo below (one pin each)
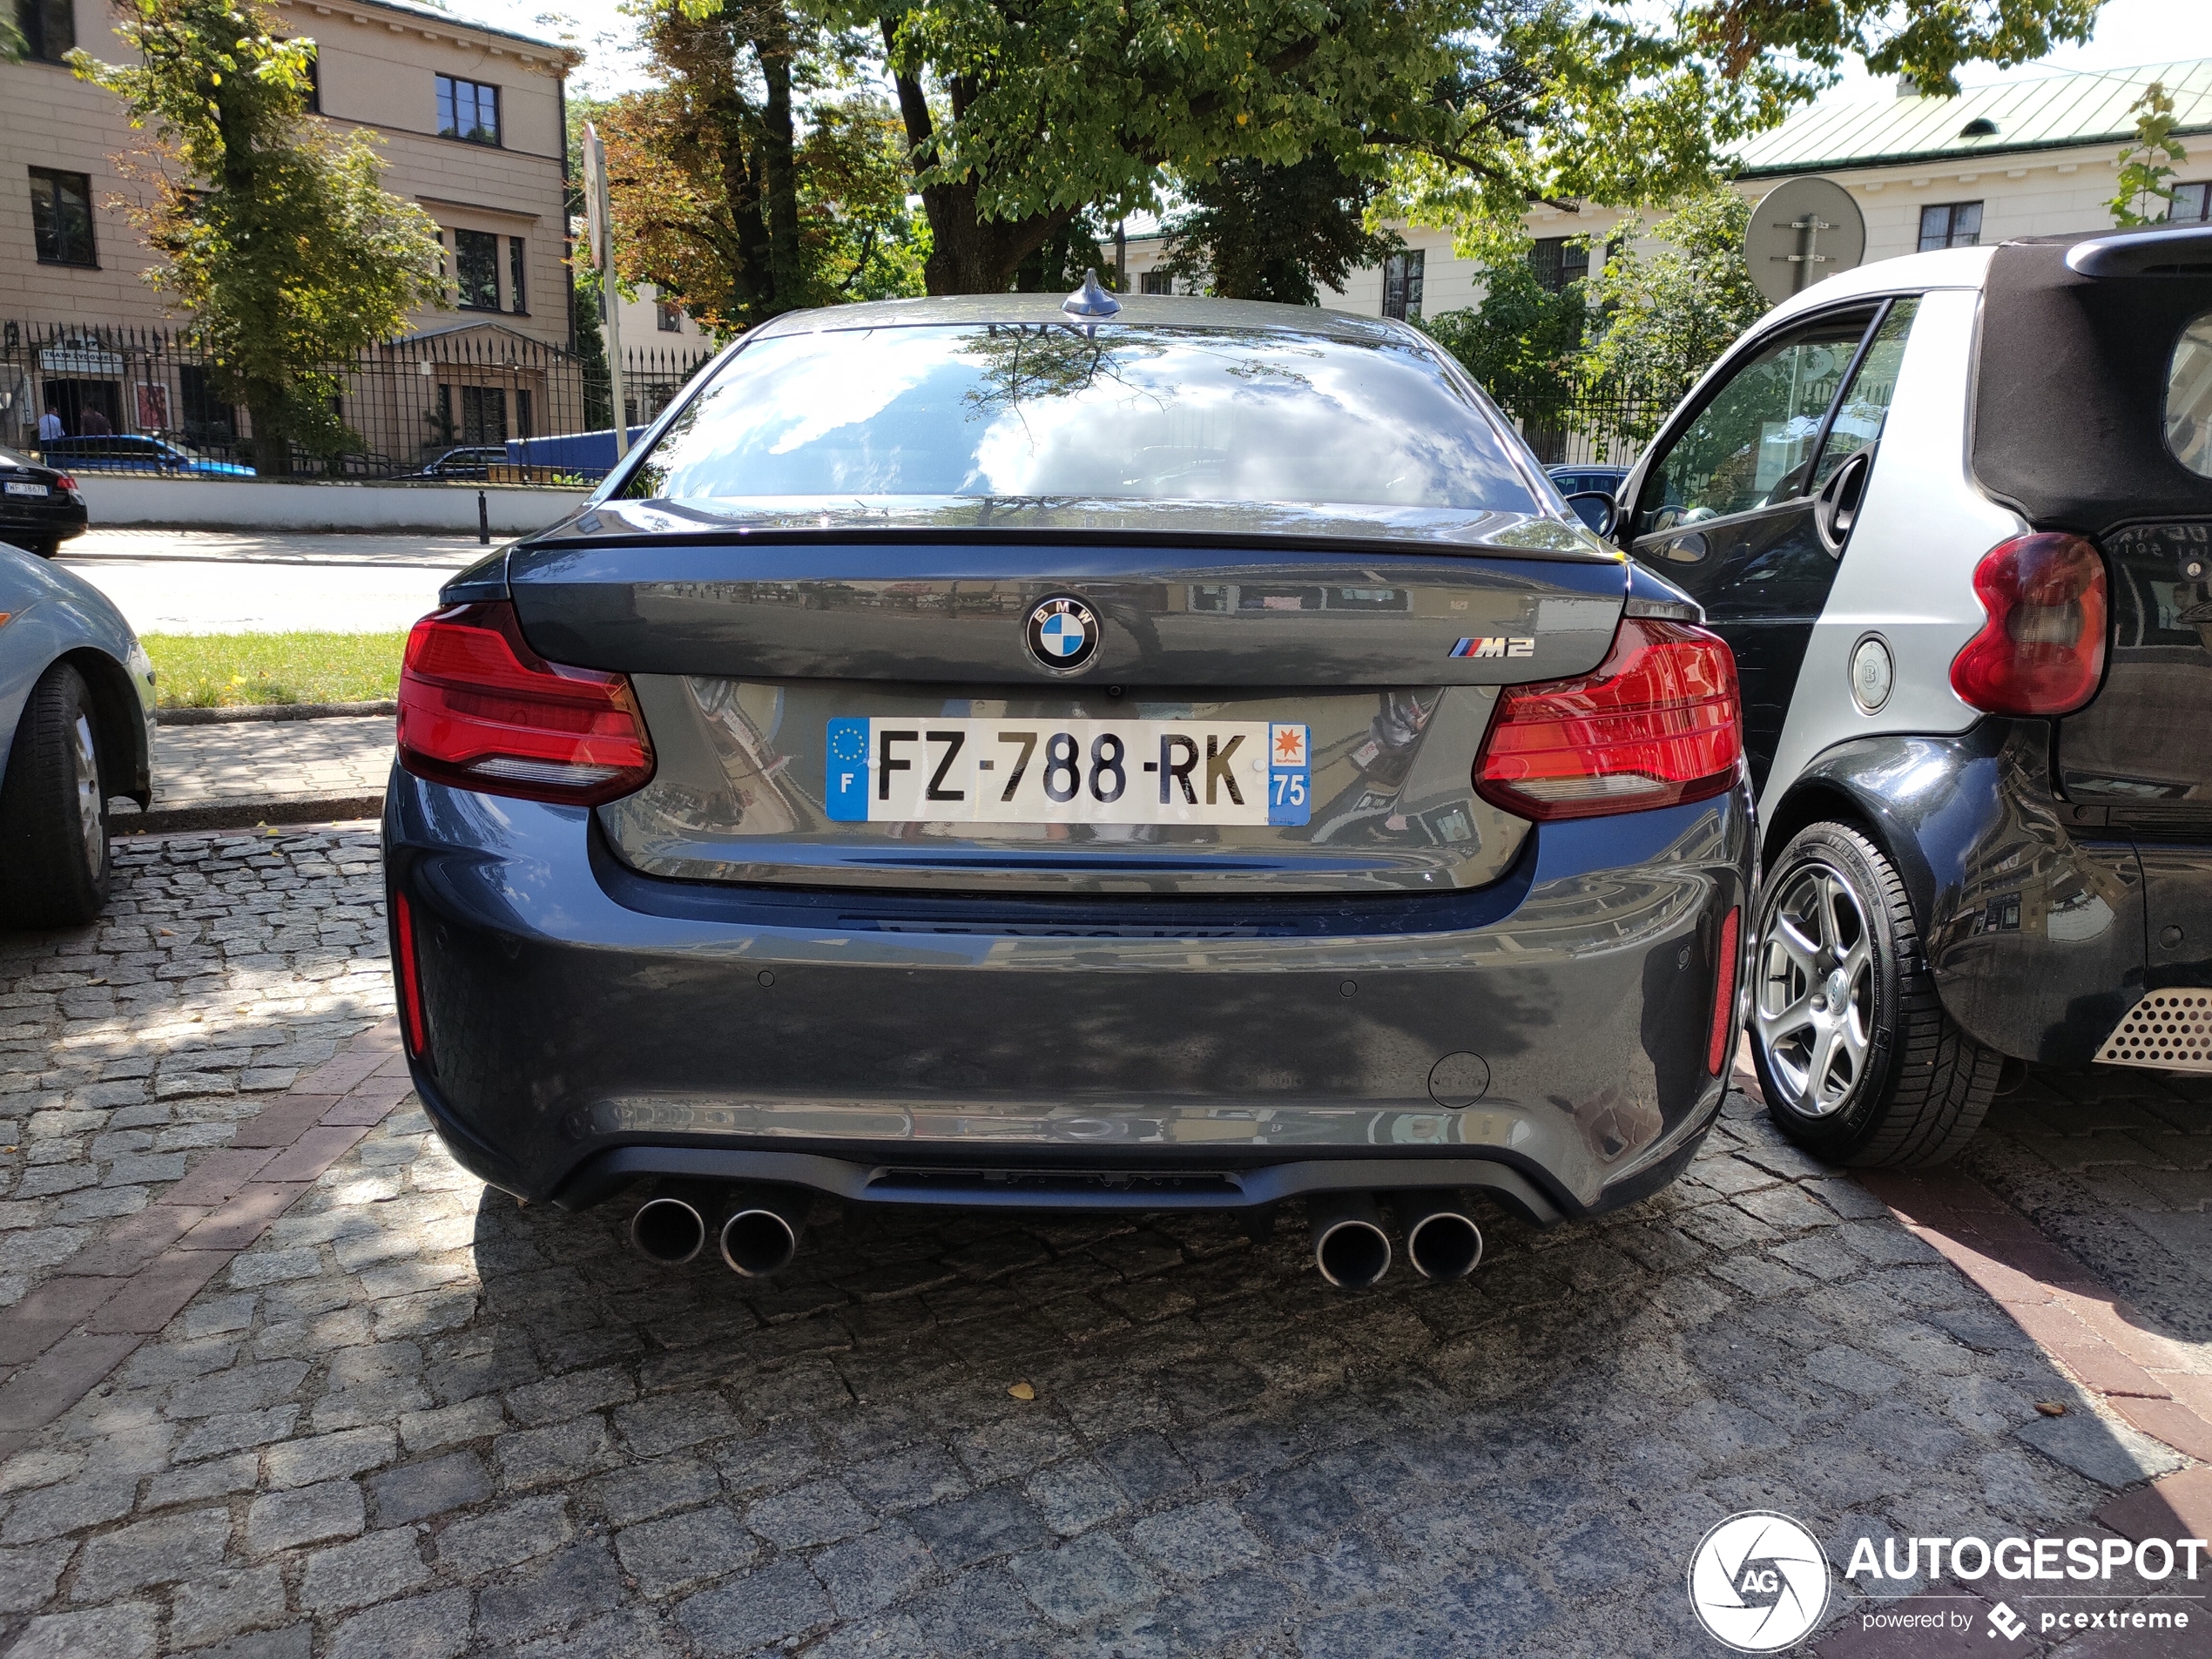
(1117, 412)
(2189, 397)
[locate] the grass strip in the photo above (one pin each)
(232, 670)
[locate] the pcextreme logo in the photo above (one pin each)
(1758, 1581)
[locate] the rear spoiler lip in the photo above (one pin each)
(1570, 550)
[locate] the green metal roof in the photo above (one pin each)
(2049, 113)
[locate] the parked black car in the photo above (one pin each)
(473, 461)
(1163, 754)
(40, 508)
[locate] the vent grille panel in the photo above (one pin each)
(2168, 1030)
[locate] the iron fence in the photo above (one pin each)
(146, 399)
(1604, 425)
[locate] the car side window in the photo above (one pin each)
(1865, 405)
(1751, 446)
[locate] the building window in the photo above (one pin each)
(315, 81)
(61, 217)
(48, 27)
(207, 418)
(1950, 224)
(483, 414)
(1402, 284)
(1558, 260)
(2192, 204)
(523, 427)
(468, 110)
(515, 292)
(1156, 282)
(475, 265)
(668, 316)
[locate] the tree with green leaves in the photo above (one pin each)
(2146, 192)
(1024, 115)
(1524, 341)
(1258, 230)
(1659, 318)
(756, 178)
(276, 239)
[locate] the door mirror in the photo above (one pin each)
(1595, 508)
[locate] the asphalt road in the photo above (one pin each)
(210, 582)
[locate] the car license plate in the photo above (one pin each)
(1069, 772)
(27, 489)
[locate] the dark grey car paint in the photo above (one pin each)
(575, 1006)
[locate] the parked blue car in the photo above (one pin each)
(132, 454)
(1151, 753)
(76, 727)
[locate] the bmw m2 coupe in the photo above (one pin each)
(1154, 754)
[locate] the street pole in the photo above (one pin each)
(599, 230)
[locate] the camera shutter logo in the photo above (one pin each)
(1758, 1582)
(1062, 634)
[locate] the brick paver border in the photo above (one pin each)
(2093, 1334)
(63, 1339)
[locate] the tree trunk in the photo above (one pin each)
(967, 253)
(272, 441)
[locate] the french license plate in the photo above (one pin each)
(28, 489)
(1069, 772)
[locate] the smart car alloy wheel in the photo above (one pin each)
(1857, 1060)
(1815, 991)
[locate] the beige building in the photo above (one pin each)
(2026, 157)
(472, 123)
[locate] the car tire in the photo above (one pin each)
(1857, 1060)
(54, 861)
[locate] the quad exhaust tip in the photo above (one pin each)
(761, 1229)
(1350, 1246)
(1442, 1239)
(669, 1228)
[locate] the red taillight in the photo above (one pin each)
(480, 710)
(2042, 651)
(414, 1029)
(64, 482)
(1722, 1040)
(1659, 722)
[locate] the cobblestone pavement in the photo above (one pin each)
(208, 582)
(338, 758)
(419, 1419)
(223, 967)
(2116, 1166)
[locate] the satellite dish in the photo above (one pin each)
(1803, 230)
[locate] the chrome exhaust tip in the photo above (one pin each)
(761, 1229)
(1350, 1246)
(669, 1228)
(1442, 1239)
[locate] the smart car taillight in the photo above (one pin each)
(480, 710)
(2042, 649)
(1658, 722)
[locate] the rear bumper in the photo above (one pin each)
(588, 1025)
(2044, 922)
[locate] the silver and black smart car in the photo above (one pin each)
(1163, 754)
(1954, 514)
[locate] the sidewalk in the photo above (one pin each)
(265, 772)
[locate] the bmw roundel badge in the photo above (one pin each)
(1063, 634)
